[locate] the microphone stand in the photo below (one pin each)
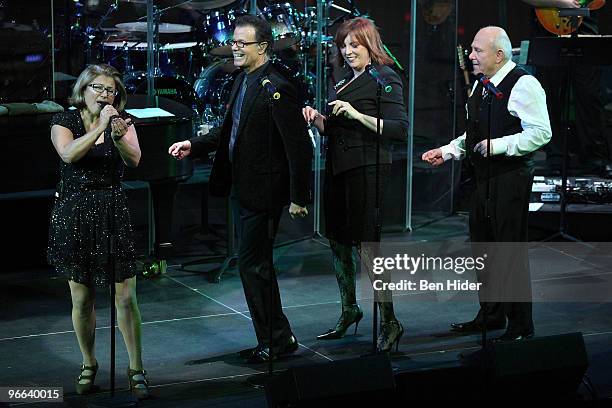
(271, 240)
(113, 401)
(487, 201)
(377, 223)
(261, 380)
(479, 356)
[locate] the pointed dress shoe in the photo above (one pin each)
(513, 336)
(390, 334)
(475, 327)
(261, 353)
(348, 317)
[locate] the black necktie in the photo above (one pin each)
(236, 117)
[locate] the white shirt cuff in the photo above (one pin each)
(447, 152)
(498, 146)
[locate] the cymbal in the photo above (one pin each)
(164, 28)
(207, 4)
(225, 51)
(124, 36)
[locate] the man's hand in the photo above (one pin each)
(433, 157)
(297, 211)
(180, 150)
(497, 147)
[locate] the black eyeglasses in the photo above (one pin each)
(99, 88)
(242, 44)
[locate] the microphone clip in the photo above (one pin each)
(381, 80)
(270, 88)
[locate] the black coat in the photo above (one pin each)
(248, 174)
(351, 144)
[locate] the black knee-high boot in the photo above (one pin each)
(345, 267)
(391, 329)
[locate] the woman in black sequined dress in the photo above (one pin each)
(95, 142)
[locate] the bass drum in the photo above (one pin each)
(213, 89)
(171, 87)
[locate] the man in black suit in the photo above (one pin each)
(261, 173)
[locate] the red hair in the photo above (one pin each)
(365, 33)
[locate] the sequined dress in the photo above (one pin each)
(80, 226)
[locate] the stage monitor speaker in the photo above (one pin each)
(443, 384)
(350, 382)
(543, 366)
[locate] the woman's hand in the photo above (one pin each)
(119, 127)
(106, 114)
(342, 108)
(312, 116)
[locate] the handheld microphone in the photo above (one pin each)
(270, 88)
(103, 105)
(486, 82)
(381, 80)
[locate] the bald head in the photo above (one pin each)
(499, 40)
(491, 49)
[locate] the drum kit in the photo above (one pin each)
(196, 69)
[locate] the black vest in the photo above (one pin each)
(503, 124)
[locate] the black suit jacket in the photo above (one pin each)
(351, 144)
(249, 171)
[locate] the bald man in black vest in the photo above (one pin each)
(520, 125)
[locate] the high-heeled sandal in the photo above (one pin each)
(390, 333)
(88, 387)
(138, 392)
(347, 318)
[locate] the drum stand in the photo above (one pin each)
(320, 102)
(229, 259)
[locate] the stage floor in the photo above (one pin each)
(192, 328)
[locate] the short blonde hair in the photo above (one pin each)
(77, 98)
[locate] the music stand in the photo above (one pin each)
(568, 52)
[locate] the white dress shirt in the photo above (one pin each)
(527, 101)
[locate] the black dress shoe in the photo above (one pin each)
(247, 352)
(474, 327)
(513, 336)
(261, 354)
